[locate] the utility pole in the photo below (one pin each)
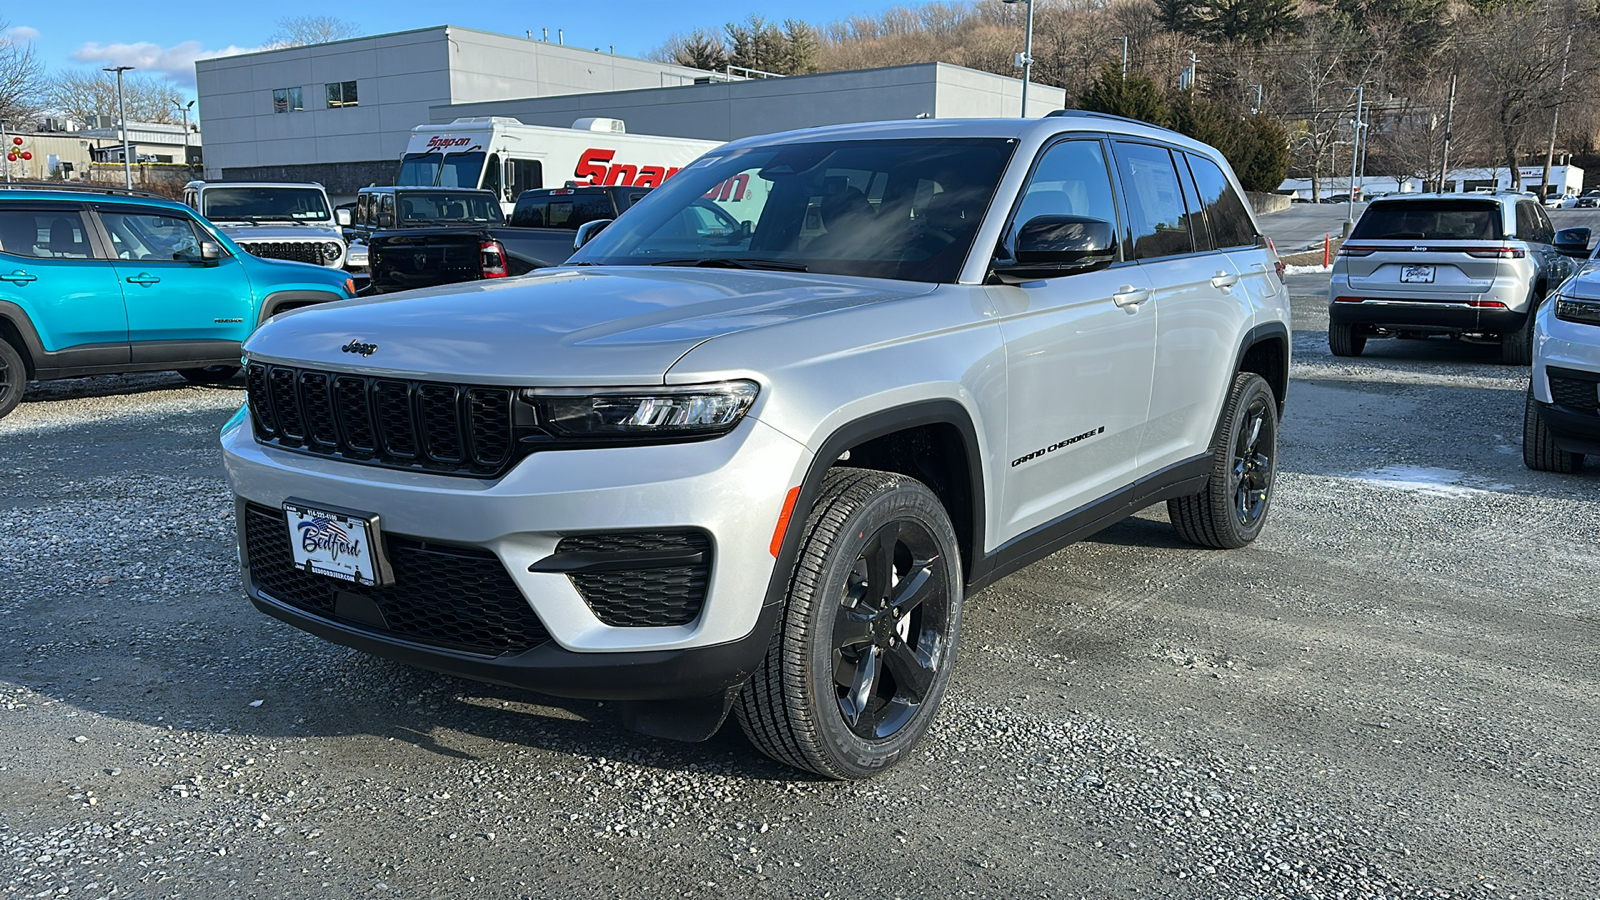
(1257, 107)
(1355, 158)
(1449, 116)
(1555, 115)
(5, 141)
(122, 120)
(1124, 40)
(1025, 59)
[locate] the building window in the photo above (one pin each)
(342, 93)
(286, 100)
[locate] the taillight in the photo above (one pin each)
(1348, 250)
(1277, 262)
(1496, 252)
(493, 257)
(1486, 304)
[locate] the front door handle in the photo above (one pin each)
(1224, 280)
(1129, 297)
(19, 277)
(143, 278)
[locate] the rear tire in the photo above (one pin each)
(860, 660)
(209, 374)
(13, 377)
(1230, 512)
(1539, 450)
(1345, 340)
(1516, 348)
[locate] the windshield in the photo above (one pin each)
(1431, 220)
(890, 209)
(441, 169)
(419, 207)
(299, 204)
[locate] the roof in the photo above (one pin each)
(95, 194)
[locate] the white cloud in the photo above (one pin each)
(21, 33)
(175, 62)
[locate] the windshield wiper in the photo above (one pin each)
(729, 262)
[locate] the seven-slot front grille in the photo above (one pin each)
(631, 591)
(444, 428)
(456, 597)
(297, 251)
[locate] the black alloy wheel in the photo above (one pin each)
(1232, 508)
(13, 377)
(888, 630)
(863, 653)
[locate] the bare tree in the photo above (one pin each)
(81, 93)
(298, 31)
(21, 78)
(1313, 74)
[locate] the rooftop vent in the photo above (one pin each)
(595, 123)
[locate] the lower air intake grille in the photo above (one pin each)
(460, 598)
(642, 595)
(1579, 390)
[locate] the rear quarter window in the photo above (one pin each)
(1430, 220)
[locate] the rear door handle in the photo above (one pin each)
(1129, 297)
(144, 279)
(19, 277)
(1224, 280)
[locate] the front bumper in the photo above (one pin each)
(1570, 353)
(732, 488)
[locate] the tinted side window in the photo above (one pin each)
(1547, 229)
(1072, 179)
(1226, 214)
(1195, 218)
(46, 234)
(1527, 229)
(1155, 201)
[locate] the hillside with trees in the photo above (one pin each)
(1273, 79)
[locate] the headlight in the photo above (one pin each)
(666, 412)
(331, 251)
(1578, 309)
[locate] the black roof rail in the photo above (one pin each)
(1092, 114)
(82, 189)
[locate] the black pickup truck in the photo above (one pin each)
(428, 239)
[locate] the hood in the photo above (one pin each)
(245, 232)
(560, 326)
(1585, 281)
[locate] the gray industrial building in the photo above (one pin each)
(340, 113)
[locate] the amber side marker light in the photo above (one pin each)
(783, 521)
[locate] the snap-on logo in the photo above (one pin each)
(444, 143)
(592, 164)
(356, 346)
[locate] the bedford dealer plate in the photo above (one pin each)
(336, 543)
(1416, 274)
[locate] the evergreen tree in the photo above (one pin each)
(1136, 98)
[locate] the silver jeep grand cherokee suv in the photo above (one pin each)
(1452, 264)
(753, 446)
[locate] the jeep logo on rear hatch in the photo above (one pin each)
(355, 346)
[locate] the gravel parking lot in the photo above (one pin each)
(1392, 694)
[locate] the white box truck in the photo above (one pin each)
(505, 156)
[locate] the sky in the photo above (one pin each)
(165, 40)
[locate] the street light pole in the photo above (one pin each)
(1026, 59)
(122, 121)
(1555, 116)
(1355, 157)
(1124, 40)
(184, 108)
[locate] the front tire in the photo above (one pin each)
(209, 374)
(13, 378)
(1230, 512)
(1345, 339)
(1539, 450)
(861, 658)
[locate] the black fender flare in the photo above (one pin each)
(276, 301)
(15, 318)
(1260, 334)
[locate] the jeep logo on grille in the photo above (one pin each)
(355, 346)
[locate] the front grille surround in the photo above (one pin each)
(444, 595)
(446, 429)
(295, 251)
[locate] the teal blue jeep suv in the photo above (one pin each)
(98, 282)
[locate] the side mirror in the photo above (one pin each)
(587, 231)
(385, 220)
(210, 251)
(1049, 246)
(342, 216)
(1572, 242)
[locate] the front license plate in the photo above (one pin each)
(1417, 274)
(332, 543)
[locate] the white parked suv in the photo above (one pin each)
(1562, 420)
(271, 220)
(1450, 264)
(759, 468)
